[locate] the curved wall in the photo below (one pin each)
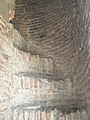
(50, 29)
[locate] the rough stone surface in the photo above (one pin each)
(7, 9)
(18, 91)
(45, 74)
(83, 10)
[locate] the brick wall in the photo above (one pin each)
(83, 10)
(50, 30)
(25, 91)
(23, 79)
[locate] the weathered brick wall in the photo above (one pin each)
(50, 115)
(83, 85)
(50, 30)
(26, 93)
(23, 79)
(24, 97)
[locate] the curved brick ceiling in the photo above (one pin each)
(50, 29)
(63, 51)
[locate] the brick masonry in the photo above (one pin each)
(50, 30)
(28, 89)
(21, 90)
(83, 10)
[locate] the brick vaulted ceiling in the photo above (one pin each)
(51, 30)
(52, 44)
